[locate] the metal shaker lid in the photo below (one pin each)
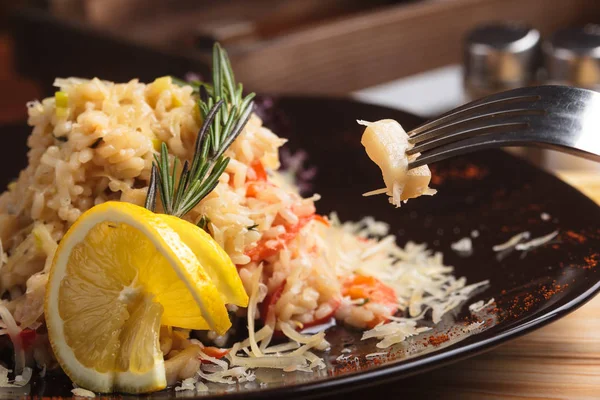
(572, 57)
(501, 55)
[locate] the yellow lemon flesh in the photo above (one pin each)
(119, 273)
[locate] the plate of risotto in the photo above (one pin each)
(186, 238)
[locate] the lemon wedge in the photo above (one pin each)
(213, 258)
(121, 272)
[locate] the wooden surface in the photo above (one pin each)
(560, 361)
(370, 48)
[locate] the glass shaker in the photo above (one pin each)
(572, 57)
(502, 56)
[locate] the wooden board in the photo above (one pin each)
(560, 361)
(375, 47)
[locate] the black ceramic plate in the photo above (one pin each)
(491, 192)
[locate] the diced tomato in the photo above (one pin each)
(255, 188)
(373, 290)
(322, 219)
(214, 352)
(27, 338)
(259, 182)
(267, 307)
(268, 247)
(259, 171)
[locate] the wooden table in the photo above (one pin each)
(559, 361)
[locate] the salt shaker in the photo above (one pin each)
(500, 56)
(572, 57)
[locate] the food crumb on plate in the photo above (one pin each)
(545, 216)
(81, 392)
(201, 387)
(187, 384)
(480, 305)
(464, 245)
(536, 242)
(512, 242)
(379, 354)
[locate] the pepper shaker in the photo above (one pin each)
(500, 56)
(572, 57)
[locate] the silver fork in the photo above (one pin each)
(557, 117)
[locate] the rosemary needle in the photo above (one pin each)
(225, 113)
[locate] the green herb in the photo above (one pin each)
(96, 143)
(151, 195)
(225, 113)
(365, 301)
(253, 227)
(196, 85)
(204, 221)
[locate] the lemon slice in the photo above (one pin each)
(213, 258)
(118, 274)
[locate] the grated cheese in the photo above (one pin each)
(394, 332)
(291, 356)
(13, 331)
(420, 279)
(4, 376)
(464, 245)
(229, 376)
(512, 242)
(81, 392)
(375, 355)
(187, 384)
(536, 242)
(259, 292)
(480, 305)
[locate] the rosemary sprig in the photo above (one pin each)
(225, 113)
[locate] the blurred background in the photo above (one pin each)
(424, 56)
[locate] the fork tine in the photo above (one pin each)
(563, 118)
(467, 133)
(473, 122)
(461, 147)
(509, 137)
(468, 110)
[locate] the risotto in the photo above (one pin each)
(95, 141)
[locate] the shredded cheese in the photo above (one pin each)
(13, 331)
(464, 245)
(512, 242)
(81, 392)
(394, 332)
(480, 305)
(536, 242)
